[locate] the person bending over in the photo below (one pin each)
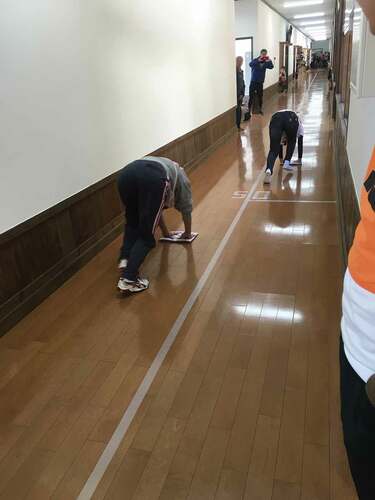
(285, 127)
(258, 67)
(146, 187)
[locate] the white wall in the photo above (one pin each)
(87, 86)
(271, 31)
(245, 18)
(361, 135)
(300, 39)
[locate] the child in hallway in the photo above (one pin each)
(283, 81)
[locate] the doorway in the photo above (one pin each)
(244, 48)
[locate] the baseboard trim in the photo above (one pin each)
(39, 255)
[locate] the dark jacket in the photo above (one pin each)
(258, 69)
(240, 84)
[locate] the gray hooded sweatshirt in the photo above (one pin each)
(179, 195)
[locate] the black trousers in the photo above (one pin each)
(256, 88)
(142, 186)
(239, 111)
(282, 122)
(358, 420)
(300, 149)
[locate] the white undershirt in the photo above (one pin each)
(358, 327)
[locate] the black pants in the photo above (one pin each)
(142, 187)
(256, 88)
(284, 121)
(358, 419)
(300, 149)
(239, 111)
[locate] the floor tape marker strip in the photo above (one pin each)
(255, 200)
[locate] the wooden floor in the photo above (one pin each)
(246, 403)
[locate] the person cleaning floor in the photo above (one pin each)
(285, 127)
(147, 187)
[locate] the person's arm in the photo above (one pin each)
(254, 63)
(269, 64)
(300, 147)
(163, 227)
(186, 217)
(184, 201)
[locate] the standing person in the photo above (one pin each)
(146, 187)
(285, 126)
(357, 349)
(240, 90)
(258, 74)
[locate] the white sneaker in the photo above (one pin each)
(123, 264)
(267, 177)
(139, 285)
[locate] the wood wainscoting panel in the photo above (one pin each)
(347, 202)
(37, 256)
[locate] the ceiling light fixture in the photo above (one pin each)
(302, 3)
(313, 14)
(317, 29)
(313, 23)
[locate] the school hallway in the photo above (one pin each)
(242, 400)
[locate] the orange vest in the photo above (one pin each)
(362, 253)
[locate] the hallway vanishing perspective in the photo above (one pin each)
(245, 404)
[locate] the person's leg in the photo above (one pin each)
(260, 97)
(151, 197)
(127, 188)
(358, 419)
(130, 237)
(252, 91)
(300, 147)
(239, 113)
(276, 131)
(291, 130)
(281, 153)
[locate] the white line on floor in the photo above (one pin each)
(254, 200)
(106, 457)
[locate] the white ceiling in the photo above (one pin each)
(316, 27)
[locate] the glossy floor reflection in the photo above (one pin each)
(245, 406)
